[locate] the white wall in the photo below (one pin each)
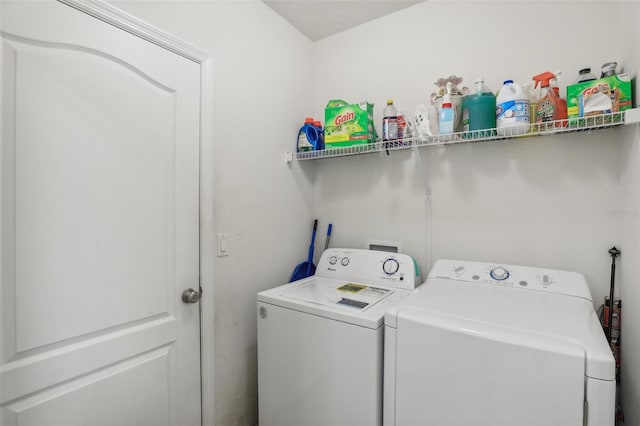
(627, 279)
(547, 201)
(543, 201)
(261, 67)
(629, 267)
(540, 201)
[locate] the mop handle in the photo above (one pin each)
(614, 252)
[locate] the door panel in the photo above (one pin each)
(102, 201)
(90, 400)
(99, 223)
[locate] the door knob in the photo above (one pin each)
(190, 296)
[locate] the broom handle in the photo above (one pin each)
(311, 247)
(326, 243)
(614, 252)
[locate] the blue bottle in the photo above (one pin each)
(307, 136)
(320, 142)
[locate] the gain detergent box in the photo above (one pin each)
(348, 124)
(603, 96)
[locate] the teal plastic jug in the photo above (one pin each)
(479, 112)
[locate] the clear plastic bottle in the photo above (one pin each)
(447, 116)
(390, 122)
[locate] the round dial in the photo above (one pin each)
(344, 261)
(459, 270)
(390, 266)
(499, 274)
(333, 260)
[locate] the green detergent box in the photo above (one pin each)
(603, 96)
(348, 124)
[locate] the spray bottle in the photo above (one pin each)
(561, 113)
(447, 113)
(551, 107)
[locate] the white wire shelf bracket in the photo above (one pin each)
(570, 125)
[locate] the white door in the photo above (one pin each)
(99, 224)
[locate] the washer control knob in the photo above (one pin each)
(333, 260)
(390, 266)
(344, 261)
(458, 270)
(499, 274)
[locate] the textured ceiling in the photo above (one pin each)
(321, 18)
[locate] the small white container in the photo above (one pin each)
(512, 110)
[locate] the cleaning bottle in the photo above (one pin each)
(562, 111)
(320, 144)
(390, 122)
(307, 136)
(533, 94)
(512, 110)
(447, 113)
(551, 107)
(479, 111)
(402, 125)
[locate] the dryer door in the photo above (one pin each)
(455, 371)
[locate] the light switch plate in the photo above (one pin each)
(223, 247)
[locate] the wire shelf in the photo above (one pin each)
(571, 125)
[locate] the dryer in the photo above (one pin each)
(489, 344)
(320, 340)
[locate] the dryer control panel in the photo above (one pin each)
(369, 266)
(515, 276)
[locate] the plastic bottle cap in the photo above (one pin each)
(308, 120)
(446, 105)
(584, 71)
(317, 123)
(508, 82)
(389, 101)
(479, 80)
(609, 69)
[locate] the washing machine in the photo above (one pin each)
(320, 340)
(487, 344)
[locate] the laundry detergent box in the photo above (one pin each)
(348, 124)
(603, 96)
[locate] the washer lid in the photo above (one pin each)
(503, 310)
(356, 303)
